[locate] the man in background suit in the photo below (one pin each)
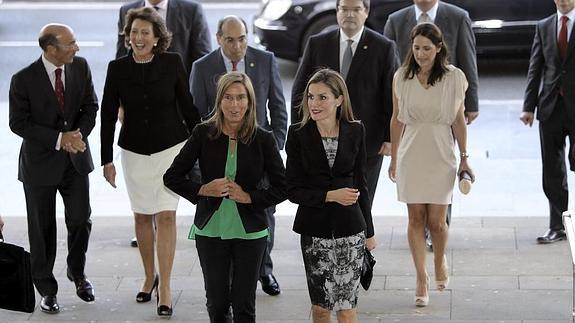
(190, 34)
(553, 63)
(262, 68)
(53, 108)
(367, 65)
(185, 20)
(455, 25)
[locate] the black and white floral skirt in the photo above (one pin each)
(333, 270)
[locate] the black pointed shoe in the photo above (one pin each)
(49, 304)
(270, 285)
(552, 236)
(84, 288)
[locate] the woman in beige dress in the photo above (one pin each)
(428, 96)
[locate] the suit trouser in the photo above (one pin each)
(373, 168)
(552, 134)
(41, 213)
(239, 260)
(267, 265)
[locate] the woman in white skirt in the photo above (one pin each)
(152, 87)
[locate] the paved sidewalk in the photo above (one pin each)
(498, 274)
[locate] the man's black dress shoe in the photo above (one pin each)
(134, 243)
(84, 288)
(270, 285)
(49, 304)
(552, 236)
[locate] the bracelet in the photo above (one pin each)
(464, 154)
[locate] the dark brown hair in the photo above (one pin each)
(431, 32)
(158, 26)
(365, 4)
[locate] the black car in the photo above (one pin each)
(500, 26)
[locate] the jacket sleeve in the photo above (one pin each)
(467, 61)
(360, 180)
(534, 73)
(89, 104)
(176, 178)
(391, 65)
(277, 104)
(120, 43)
(275, 171)
(185, 100)
(200, 43)
(109, 115)
(20, 116)
(298, 191)
(198, 89)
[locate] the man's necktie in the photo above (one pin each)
(424, 17)
(59, 89)
(347, 56)
(234, 66)
(562, 41)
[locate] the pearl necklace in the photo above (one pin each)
(144, 61)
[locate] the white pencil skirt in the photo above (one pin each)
(143, 175)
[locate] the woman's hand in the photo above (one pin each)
(464, 167)
(218, 187)
(236, 193)
(391, 170)
(345, 196)
(110, 174)
(370, 243)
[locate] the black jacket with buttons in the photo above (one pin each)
(309, 178)
(158, 107)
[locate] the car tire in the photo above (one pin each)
(321, 24)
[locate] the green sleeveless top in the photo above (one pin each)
(226, 222)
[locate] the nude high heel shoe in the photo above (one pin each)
(422, 301)
(442, 284)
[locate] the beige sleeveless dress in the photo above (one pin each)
(426, 162)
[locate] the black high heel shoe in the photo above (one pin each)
(143, 297)
(163, 310)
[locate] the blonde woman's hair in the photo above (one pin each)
(247, 129)
(336, 84)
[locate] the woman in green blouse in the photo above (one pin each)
(230, 225)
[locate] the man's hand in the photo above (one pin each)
(385, 149)
(110, 174)
(72, 142)
(470, 116)
(527, 118)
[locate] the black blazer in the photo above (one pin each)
(155, 97)
(186, 21)
(368, 81)
(258, 158)
(547, 72)
(36, 117)
(309, 178)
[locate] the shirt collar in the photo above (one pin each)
(570, 14)
(227, 60)
(431, 13)
(162, 5)
(343, 37)
(51, 68)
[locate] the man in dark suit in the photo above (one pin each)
(185, 20)
(262, 68)
(53, 108)
(455, 25)
(550, 84)
(367, 61)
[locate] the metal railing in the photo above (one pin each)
(569, 224)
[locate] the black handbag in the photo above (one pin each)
(16, 287)
(367, 269)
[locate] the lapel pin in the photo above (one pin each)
(364, 46)
(252, 64)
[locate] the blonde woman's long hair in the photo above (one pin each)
(336, 84)
(247, 129)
